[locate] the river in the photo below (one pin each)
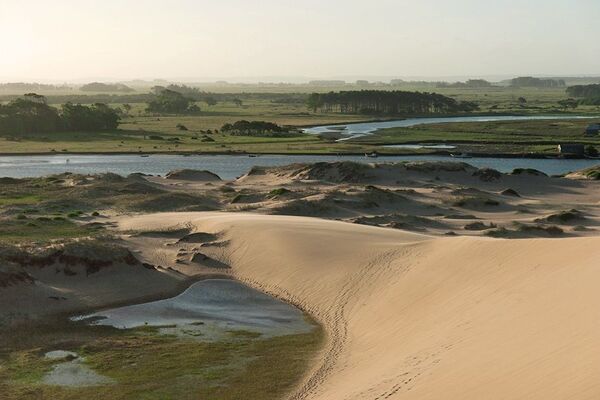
(367, 128)
(232, 166)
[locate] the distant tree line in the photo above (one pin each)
(380, 102)
(23, 87)
(584, 91)
(106, 87)
(207, 97)
(528, 81)
(32, 114)
(470, 84)
(254, 128)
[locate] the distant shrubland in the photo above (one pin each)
(528, 81)
(106, 87)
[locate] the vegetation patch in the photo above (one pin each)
(563, 217)
(479, 226)
(527, 171)
(42, 229)
(475, 202)
(523, 231)
(144, 364)
(510, 192)
(255, 128)
(275, 193)
(487, 174)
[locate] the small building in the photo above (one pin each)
(592, 130)
(571, 150)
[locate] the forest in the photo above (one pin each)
(379, 102)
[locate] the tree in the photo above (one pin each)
(591, 151)
(169, 101)
(253, 128)
(127, 108)
(97, 117)
(522, 100)
(585, 91)
(238, 102)
(36, 98)
(211, 101)
(193, 109)
(23, 116)
(568, 103)
(31, 114)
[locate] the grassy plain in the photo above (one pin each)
(141, 132)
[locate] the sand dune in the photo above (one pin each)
(408, 315)
(419, 317)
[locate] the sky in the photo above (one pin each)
(78, 40)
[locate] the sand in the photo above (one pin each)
(413, 316)
(410, 312)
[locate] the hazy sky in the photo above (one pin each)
(184, 39)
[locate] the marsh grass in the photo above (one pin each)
(537, 136)
(41, 229)
(61, 206)
(147, 365)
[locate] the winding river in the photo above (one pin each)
(232, 166)
(367, 128)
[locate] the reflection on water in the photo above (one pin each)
(207, 310)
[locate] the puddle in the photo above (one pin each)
(209, 310)
(72, 372)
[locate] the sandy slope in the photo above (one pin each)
(418, 317)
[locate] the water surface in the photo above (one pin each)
(233, 166)
(367, 128)
(208, 309)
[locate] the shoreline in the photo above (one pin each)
(458, 115)
(179, 288)
(532, 156)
